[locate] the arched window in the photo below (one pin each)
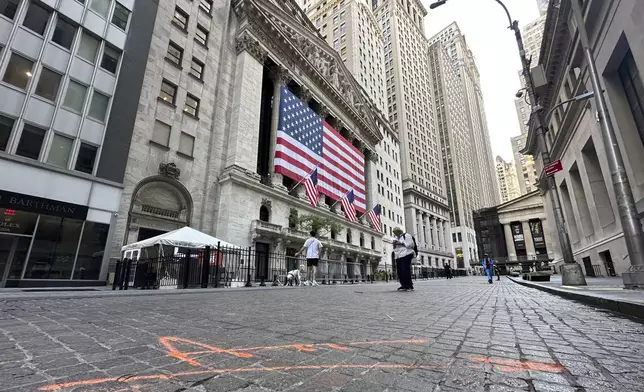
(349, 236)
(361, 240)
(264, 214)
(373, 243)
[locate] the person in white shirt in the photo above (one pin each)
(313, 246)
(404, 253)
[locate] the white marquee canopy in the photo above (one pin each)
(186, 237)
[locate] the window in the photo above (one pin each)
(36, 18)
(206, 5)
(6, 125)
(202, 35)
(88, 47)
(98, 107)
(18, 71)
(90, 251)
(186, 144)
(175, 54)
(180, 18)
(8, 8)
(192, 105)
(168, 92)
(196, 69)
(110, 59)
(75, 97)
(86, 158)
(48, 84)
(30, 142)
(64, 33)
(102, 7)
(633, 89)
(59, 151)
(120, 17)
(161, 133)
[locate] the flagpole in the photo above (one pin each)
(302, 180)
(340, 199)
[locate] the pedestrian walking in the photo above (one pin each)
(405, 251)
(313, 246)
(488, 267)
(498, 275)
(448, 271)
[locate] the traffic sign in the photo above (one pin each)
(553, 167)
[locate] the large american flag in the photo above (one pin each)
(348, 206)
(374, 217)
(305, 141)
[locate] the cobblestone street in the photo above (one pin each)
(457, 335)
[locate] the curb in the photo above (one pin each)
(630, 309)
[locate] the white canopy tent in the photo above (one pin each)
(186, 237)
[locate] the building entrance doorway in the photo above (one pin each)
(13, 253)
(588, 266)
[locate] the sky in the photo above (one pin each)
(485, 26)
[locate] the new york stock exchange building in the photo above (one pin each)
(167, 116)
(205, 138)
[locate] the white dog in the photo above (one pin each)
(293, 277)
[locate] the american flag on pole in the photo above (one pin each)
(311, 188)
(348, 207)
(305, 141)
(374, 217)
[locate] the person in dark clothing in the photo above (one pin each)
(404, 253)
(448, 271)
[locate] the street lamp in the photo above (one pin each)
(580, 97)
(571, 272)
(633, 235)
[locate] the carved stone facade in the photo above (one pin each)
(218, 186)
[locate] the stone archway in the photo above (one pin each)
(159, 204)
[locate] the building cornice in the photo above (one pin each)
(250, 180)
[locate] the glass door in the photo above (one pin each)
(7, 249)
(13, 255)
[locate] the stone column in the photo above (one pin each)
(527, 236)
(425, 237)
(280, 79)
(509, 241)
(243, 137)
(432, 221)
(441, 238)
(447, 233)
(419, 228)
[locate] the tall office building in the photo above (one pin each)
(68, 72)
(470, 177)
(351, 29)
(506, 174)
(543, 6)
(532, 36)
(411, 115)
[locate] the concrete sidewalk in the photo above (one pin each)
(606, 293)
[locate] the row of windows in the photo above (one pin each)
(19, 73)
(33, 138)
(38, 15)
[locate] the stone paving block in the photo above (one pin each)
(494, 345)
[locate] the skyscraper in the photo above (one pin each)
(411, 114)
(351, 29)
(470, 177)
(508, 183)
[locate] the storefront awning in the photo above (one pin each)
(186, 237)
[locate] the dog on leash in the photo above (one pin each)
(293, 278)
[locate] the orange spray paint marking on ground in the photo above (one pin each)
(513, 366)
(96, 381)
(243, 352)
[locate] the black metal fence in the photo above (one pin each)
(239, 267)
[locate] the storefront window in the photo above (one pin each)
(90, 253)
(54, 248)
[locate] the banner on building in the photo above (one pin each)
(517, 235)
(536, 229)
